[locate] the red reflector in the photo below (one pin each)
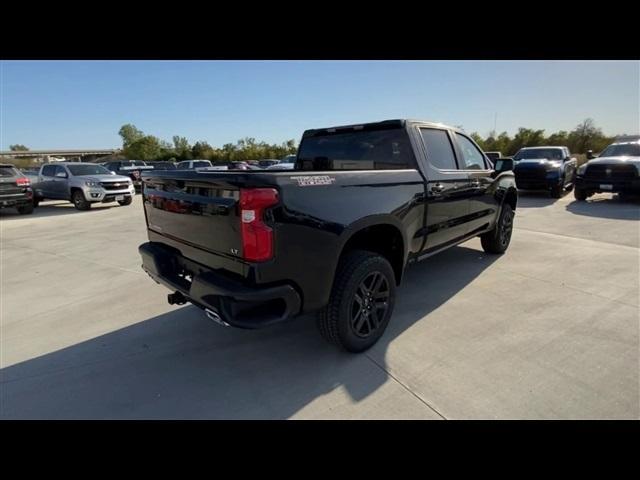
(257, 237)
(23, 182)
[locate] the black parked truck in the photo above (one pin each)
(334, 235)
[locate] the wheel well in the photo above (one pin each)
(511, 199)
(385, 240)
(72, 190)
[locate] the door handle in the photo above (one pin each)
(437, 188)
(475, 183)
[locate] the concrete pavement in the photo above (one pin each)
(548, 330)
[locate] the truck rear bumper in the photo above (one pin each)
(236, 304)
(16, 200)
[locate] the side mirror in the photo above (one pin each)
(503, 165)
(112, 172)
(590, 155)
(61, 175)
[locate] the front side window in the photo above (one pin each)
(60, 171)
(357, 150)
(49, 170)
(439, 149)
(472, 158)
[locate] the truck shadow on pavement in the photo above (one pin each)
(179, 365)
(537, 199)
(607, 206)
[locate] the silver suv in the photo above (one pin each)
(82, 184)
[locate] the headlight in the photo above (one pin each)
(582, 169)
(92, 184)
(555, 164)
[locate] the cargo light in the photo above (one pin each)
(257, 237)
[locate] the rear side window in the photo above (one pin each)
(472, 158)
(48, 170)
(439, 149)
(8, 172)
(357, 150)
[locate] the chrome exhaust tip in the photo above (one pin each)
(211, 315)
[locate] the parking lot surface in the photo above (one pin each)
(549, 330)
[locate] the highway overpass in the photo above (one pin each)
(69, 155)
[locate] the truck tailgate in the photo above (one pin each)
(194, 208)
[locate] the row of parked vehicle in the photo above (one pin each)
(554, 169)
(85, 184)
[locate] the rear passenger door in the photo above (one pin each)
(483, 203)
(447, 190)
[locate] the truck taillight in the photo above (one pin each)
(23, 182)
(257, 237)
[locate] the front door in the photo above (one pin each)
(483, 203)
(59, 184)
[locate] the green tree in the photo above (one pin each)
(146, 148)
(130, 134)
(480, 141)
(202, 150)
(559, 138)
(18, 148)
(526, 137)
(182, 147)
(586, 136)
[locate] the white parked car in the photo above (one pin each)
(191, 164)
(287, 163)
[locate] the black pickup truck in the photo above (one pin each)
(333, 235)
(129, 168)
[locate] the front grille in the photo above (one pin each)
(115, 185)
(610, 172)
(530, 174)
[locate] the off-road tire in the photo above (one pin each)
(78, 200)
(498, 239)
(338, 320)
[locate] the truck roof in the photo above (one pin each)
(395, 123)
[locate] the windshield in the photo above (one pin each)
(622, 150)
(548, 153)
(81, 170)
